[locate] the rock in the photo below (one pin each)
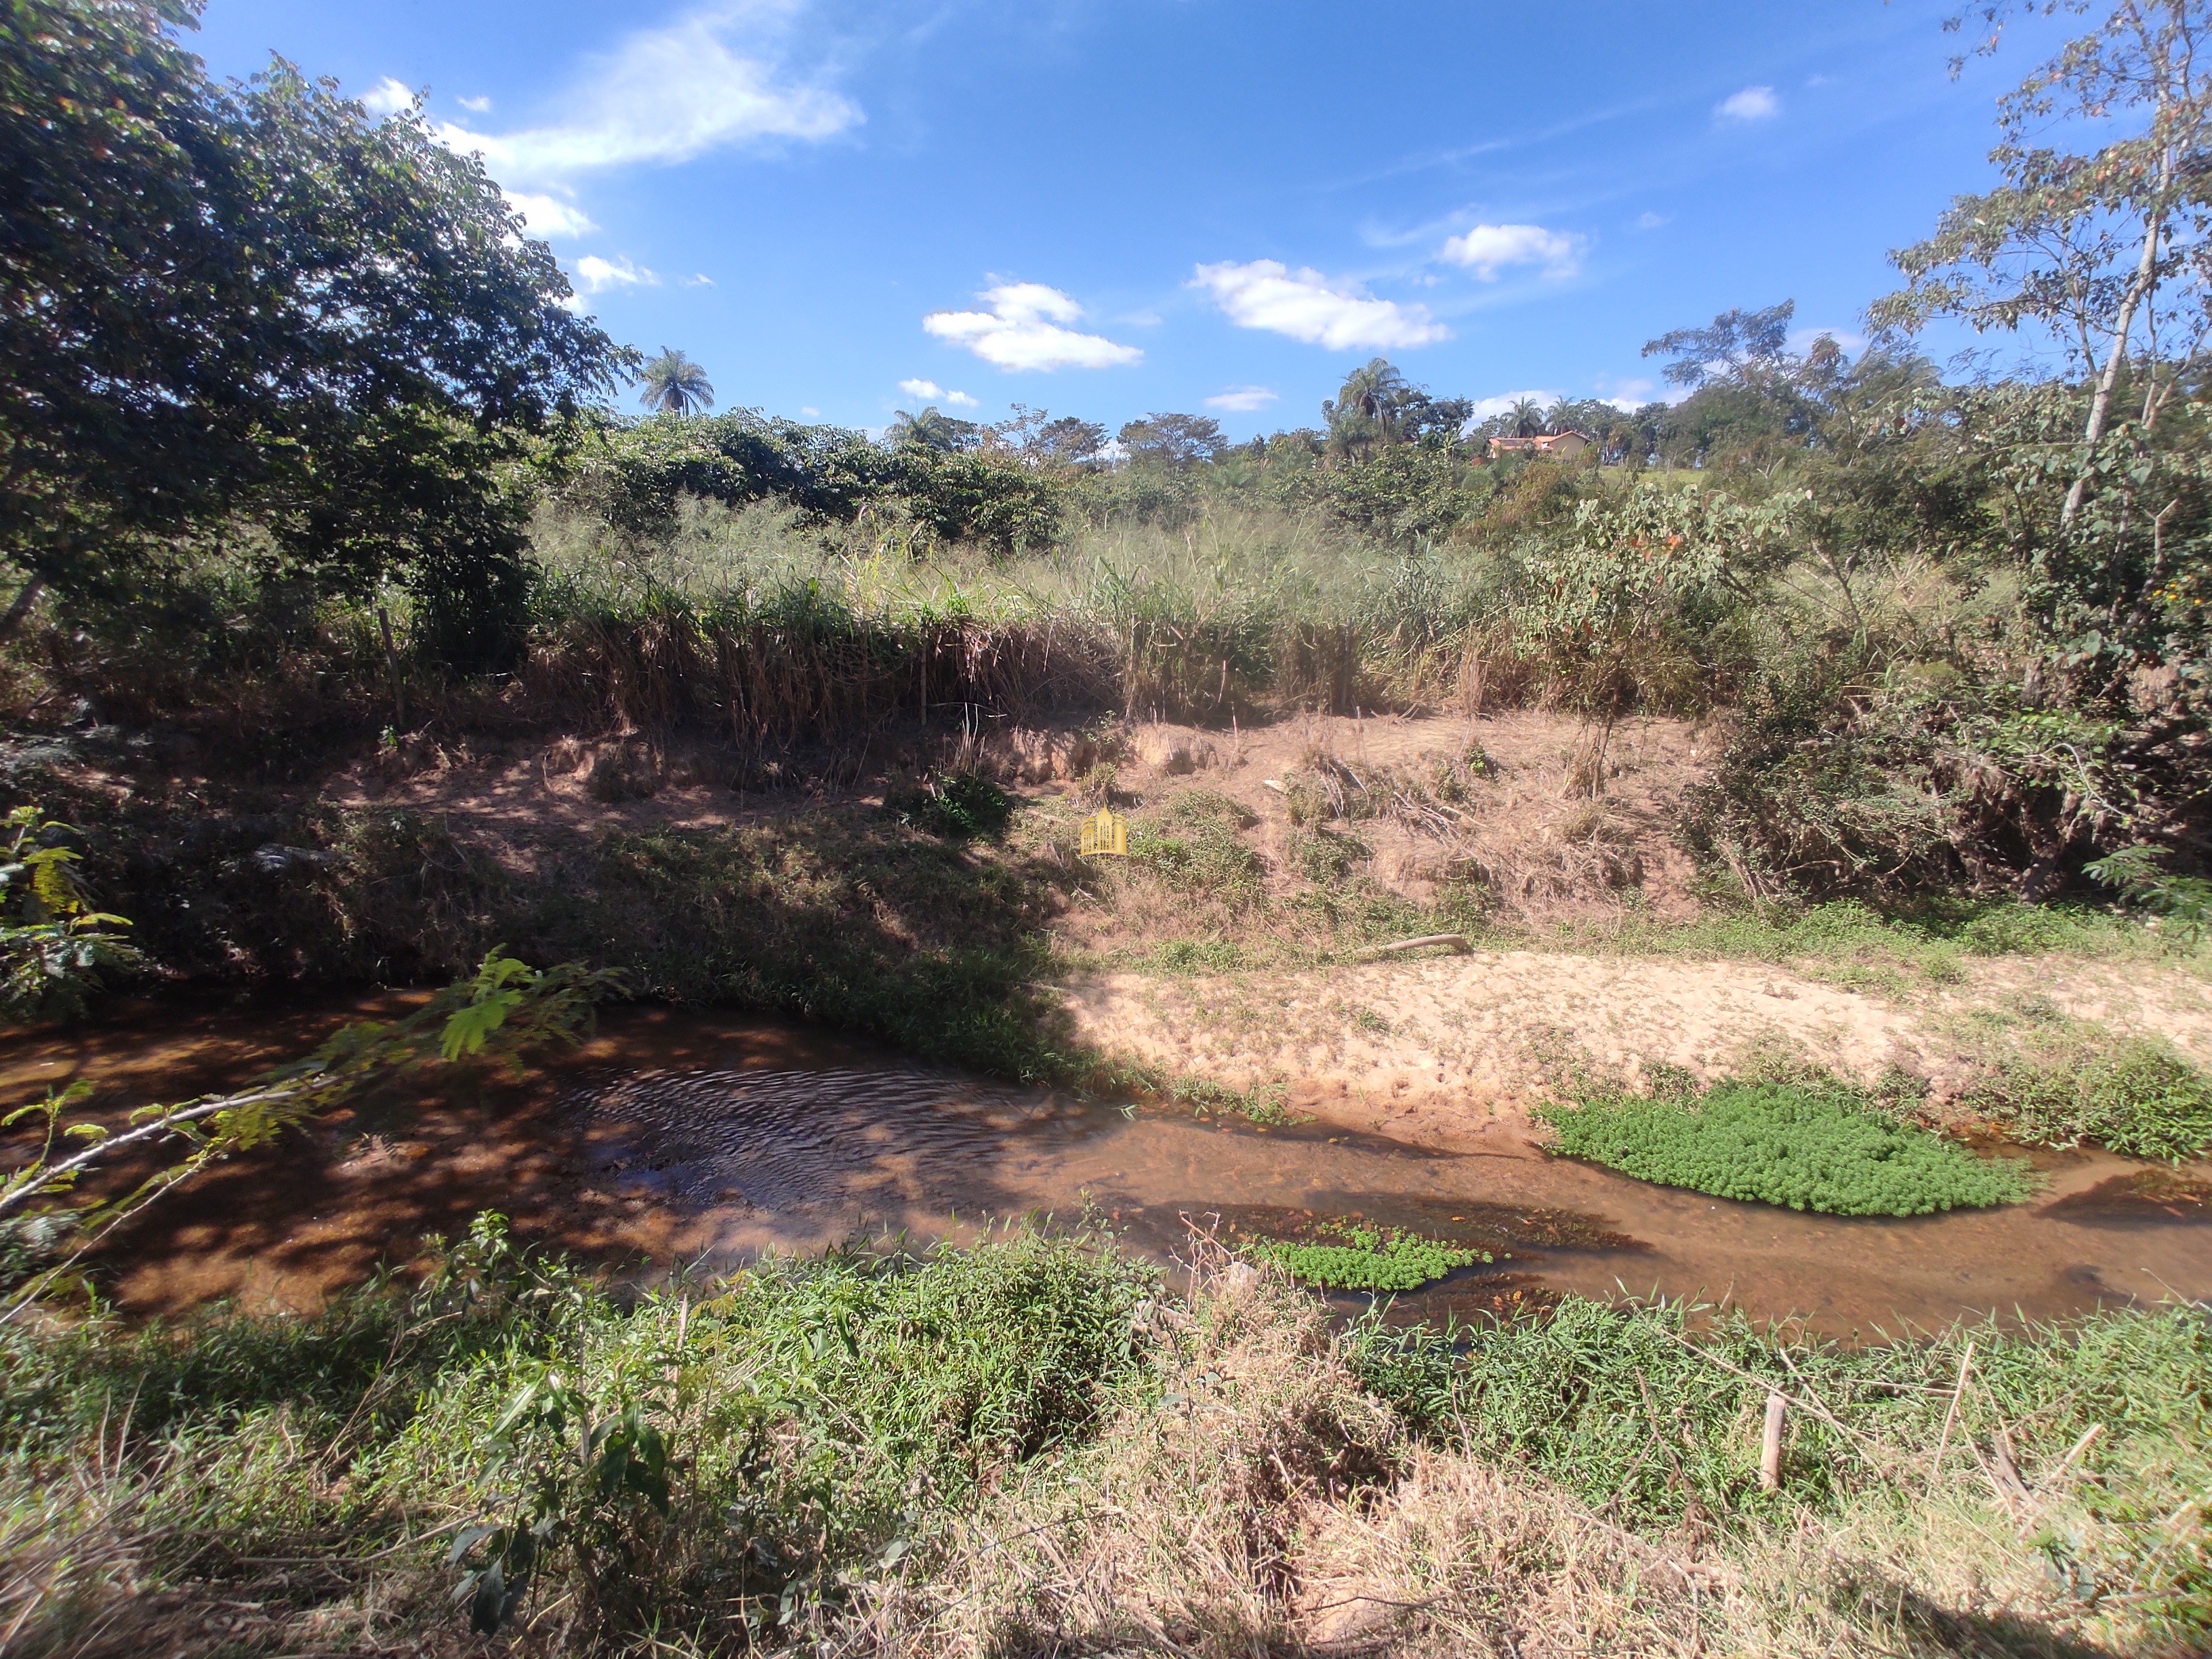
(273, 858)
(1024, 756)
(1169, 752)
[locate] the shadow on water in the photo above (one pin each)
(677, 1137)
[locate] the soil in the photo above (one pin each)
(1448, 1051)
(1550, 851)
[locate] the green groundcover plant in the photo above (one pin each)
(1348, 1255)
(1810, 1146)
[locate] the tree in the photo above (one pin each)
(1365, 413)
(1737, 346)
(2107, 253)
(1177, 442)
(1527, 416)
(253, 300)
(933, 429)
(673, 385)
(1069, 442)
(1043, 440)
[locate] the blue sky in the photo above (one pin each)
(1104, 210)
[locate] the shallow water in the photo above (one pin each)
(681, 1137)
(792, 1157)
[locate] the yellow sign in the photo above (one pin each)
(1108, 832)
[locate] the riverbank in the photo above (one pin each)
(1033, 1446)
(1219, 962)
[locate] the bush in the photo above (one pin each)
(957, 804)
(734, 1453)
(2140, 1097)
(1196, 847)
(1809, 1146)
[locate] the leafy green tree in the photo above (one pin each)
(2107, 252)
(252, 298)
(1738, 346)
(1061, 444)
(1177, 442)
(672, 384)
(1377, 407)
(633, 475)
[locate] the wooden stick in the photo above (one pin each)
(1457, 942)
(2047, 1488)
(1769, 1446)
(1951, 1414)
(1810, 1404)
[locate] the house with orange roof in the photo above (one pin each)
(1553, 446)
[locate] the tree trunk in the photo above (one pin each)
(26, 597)
(2138, 290)
(399, 677)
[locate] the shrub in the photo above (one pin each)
(1196, 846)
(2140, 1096)
(958, 804)
(1810, 1146)
(729, 1454)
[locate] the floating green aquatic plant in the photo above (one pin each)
(1810, 1146)
(1348, 1255)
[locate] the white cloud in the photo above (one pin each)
(929, 391)
(1504, 402)
(1306, 306)
(1649, 221)
(961, 400)
(548, 216)
(698, 279)
(1488, 250)
(474, 106)
(1242, 399)
(388, 97)
(712, 79)
(1752, 104)
(1629, 394)
(1022, 330)
(596, 275)
(809, 411)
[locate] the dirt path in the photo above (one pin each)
(1448, 1052)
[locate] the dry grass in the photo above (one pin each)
(1270, 1505)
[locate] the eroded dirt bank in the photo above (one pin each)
(1448, 1052)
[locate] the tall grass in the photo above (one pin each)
(743, 616)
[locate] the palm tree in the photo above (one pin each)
(1528, 417)
(931, 430)
(1365, 411)
(674, 385)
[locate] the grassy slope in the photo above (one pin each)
(1028, 1445)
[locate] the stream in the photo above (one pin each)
(677, 1137)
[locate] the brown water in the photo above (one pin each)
(677, 1137)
